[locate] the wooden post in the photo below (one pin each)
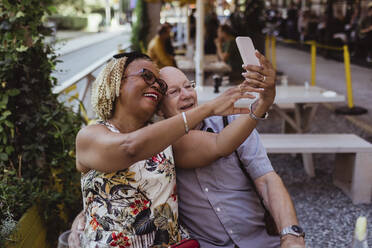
(199, 56)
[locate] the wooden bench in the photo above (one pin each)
(353, 163)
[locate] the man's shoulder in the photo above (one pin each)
(217, 121)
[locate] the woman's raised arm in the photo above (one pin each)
(100, 149)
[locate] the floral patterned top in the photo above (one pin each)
(134, 207)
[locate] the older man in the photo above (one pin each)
(217, 203)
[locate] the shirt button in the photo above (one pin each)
(206, 189)
(218, 209)
(231, 231)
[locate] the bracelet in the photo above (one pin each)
(185, 122)
(253, 116)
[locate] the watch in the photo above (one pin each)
(293, 230)
(253, 116)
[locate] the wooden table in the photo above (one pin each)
(211, 64)
(304, 101)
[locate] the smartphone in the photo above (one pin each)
(247, 50)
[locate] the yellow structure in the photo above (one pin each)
(349, 87)
(30, 232)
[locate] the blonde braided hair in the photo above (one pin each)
(106, 88)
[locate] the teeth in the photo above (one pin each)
(151, 95)
(187, 106)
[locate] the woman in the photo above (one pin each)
(129, 199)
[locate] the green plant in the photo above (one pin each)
(140, 26)
(37, 133)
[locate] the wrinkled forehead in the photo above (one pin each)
(173, 77)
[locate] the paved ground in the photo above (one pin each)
(325, 212)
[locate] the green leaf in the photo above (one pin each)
(4, 101)
(6, 113)
(9, 150)
(9, 124)
(20, 14)
(22, 48)
(52, 9)
(13, 92)
(3, 156)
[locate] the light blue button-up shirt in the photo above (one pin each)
(217, 203)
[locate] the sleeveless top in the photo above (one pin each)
(135, 207)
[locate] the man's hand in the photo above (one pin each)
(290, 241)
(261, 79)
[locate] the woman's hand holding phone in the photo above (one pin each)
(259, 75)
(261, 79)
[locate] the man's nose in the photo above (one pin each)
(184, 93)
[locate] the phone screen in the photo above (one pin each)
(247, 50)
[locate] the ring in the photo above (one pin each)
(264, 78)
(240, 88)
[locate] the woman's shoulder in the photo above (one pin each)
(90, 131)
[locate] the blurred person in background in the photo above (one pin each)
(254, 23)
(291, 23)
(168, 43)
(211, 26)
(302, 23)
(365, 34)
(192, 26)
(157, 48)
(228, 52)
(337, 28)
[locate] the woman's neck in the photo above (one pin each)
(126, 123)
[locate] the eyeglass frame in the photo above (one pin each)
(192, 84)
(162, 84)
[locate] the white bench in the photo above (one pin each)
(353, 163)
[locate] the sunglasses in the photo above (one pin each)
(150, 79)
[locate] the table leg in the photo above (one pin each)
(287, 118)
(307, 160)
(308, 116)
(299, 122)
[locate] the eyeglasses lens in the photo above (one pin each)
(150, 79)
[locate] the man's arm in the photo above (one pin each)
(278, 202)
(224, 56)
(366, 30)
